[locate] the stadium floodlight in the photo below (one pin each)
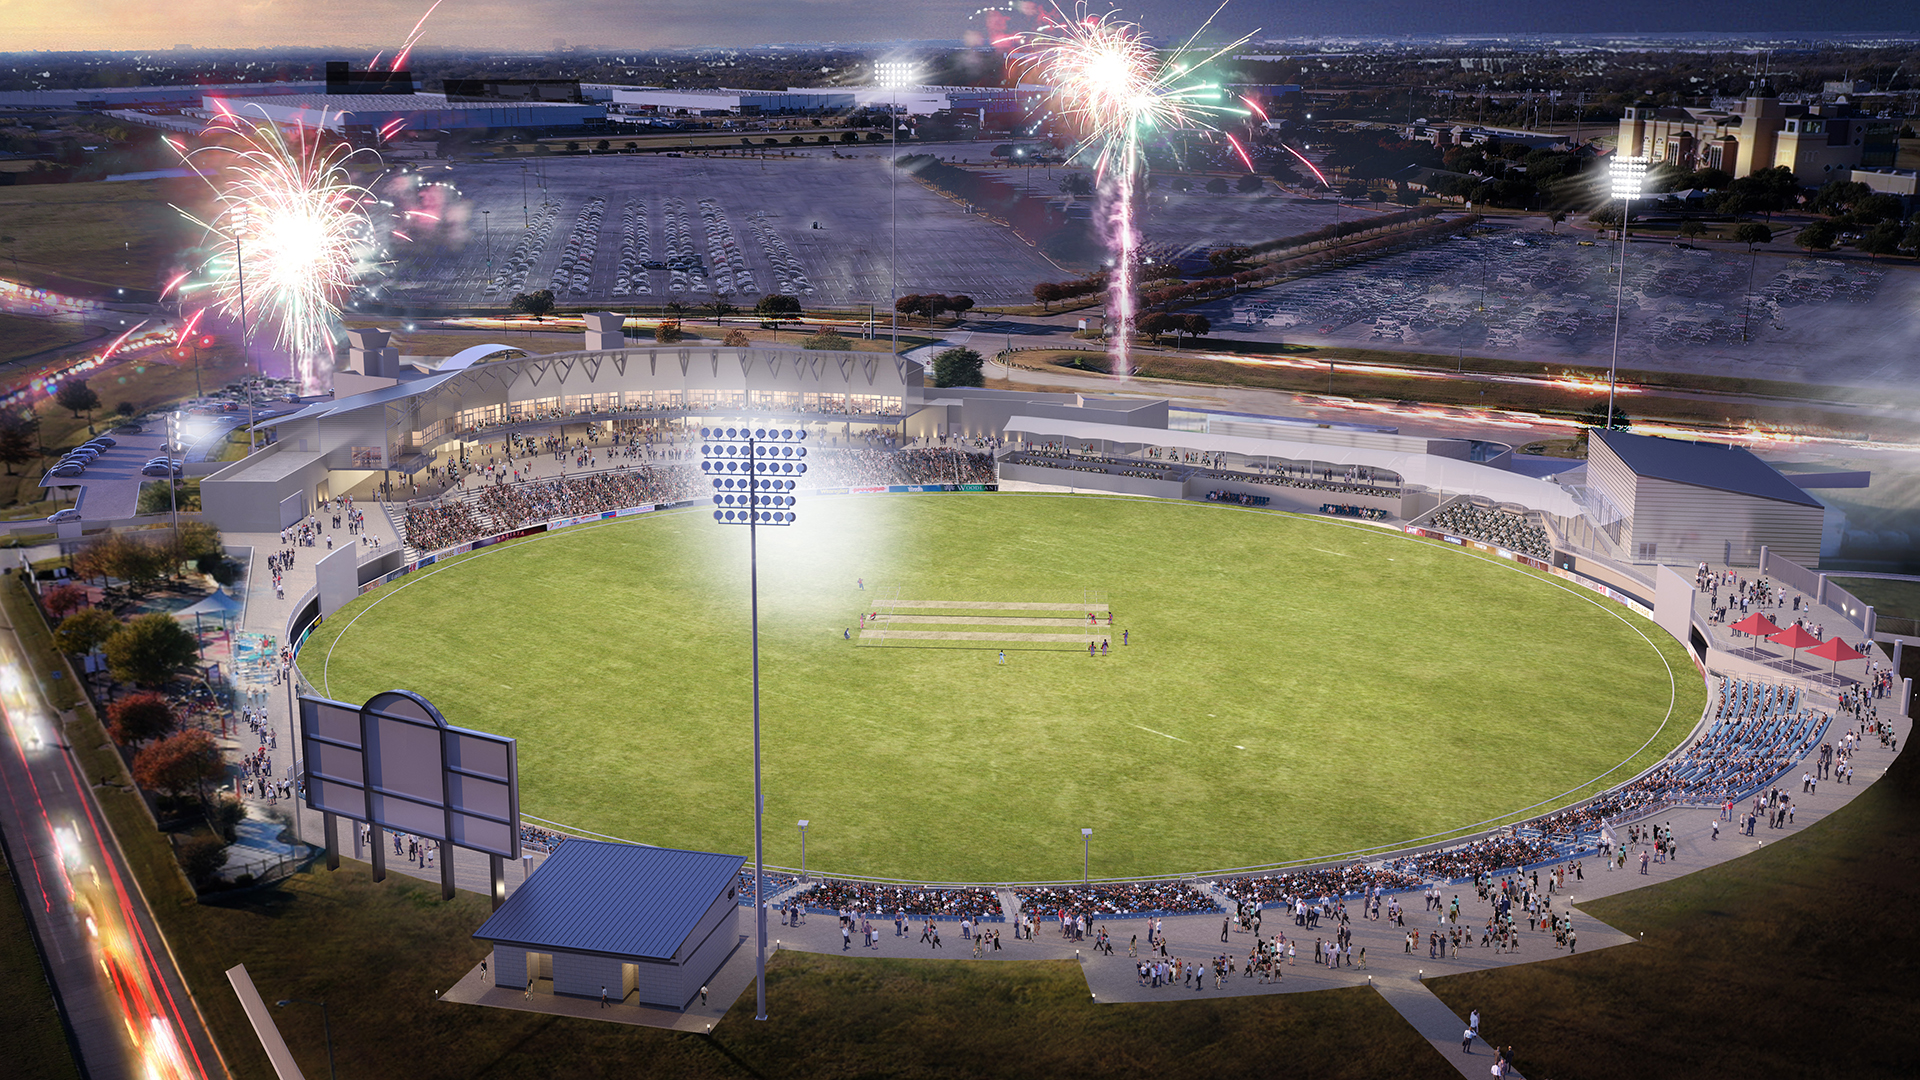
(803, 848)
(754, 470)
(1086, 845)
(894, 74)
(1629, 175)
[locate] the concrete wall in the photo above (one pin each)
(583, 974)
(705, 958)
(659, 983)
(338, 576)
(1672, 602)
(509, 966)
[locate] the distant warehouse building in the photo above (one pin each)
(1681, 503)
(646, 924)
(391, 114)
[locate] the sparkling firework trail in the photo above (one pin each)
(1120, 92)
(290, 224)
(406, 47)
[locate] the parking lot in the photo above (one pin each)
(633, 229)
(1520, 292)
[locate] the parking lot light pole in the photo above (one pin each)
(326, 1025)
(1627, 175)
(893, 74)
(754, 472)
(1086, 846)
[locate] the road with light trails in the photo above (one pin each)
(118, 987)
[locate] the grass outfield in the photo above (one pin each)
(1296, 687)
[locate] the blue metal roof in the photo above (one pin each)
(1703, 464)
(614, 899)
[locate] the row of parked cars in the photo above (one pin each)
(75, 461)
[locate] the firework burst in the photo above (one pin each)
(1119, 93)
(290, 230)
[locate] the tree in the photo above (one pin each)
(1353, 189)
(1046, 292)
(1153, 324)
(125, 409)
(1818, 236)
(1692, 229)
(776, 308)
(19, 437)
(201, 857)
(140, 717)
(150, 650)
(64, 600)
(957, 366)
(1878, 207)
(1554, 219)
(84, 631)
(1217, 186)
(1196, 325)
(183, 764)
(1882, 239)
(1377, 195)
(539, 303)
(603, 145)
(1248, 183)
(1223, 260)
(1911, 241)
(720, 308)
(667, 332)
(1753, 234)
(736, 339)
(77, 396)
(1596, 416)
(572, 146)
(960, 303)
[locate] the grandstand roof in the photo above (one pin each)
(1703, 464)
(1430, 470)
(615, 899)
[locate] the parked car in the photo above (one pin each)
(130, 429)
(159, 468)
(87, 452)
(102, 441)
(69, 514)
(68, 468)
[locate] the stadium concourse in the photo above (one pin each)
(1762, 733)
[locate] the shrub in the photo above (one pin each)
(64, 600)
(825, 339)
(736, 339)
(201, 856)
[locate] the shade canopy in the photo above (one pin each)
(1836, 651)
(1794, 637)
(1756, 624)
(216, 606)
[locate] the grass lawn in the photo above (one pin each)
(123, 234)
(32, 1041)
(24, 335)
(378, 953)
(1797, 960)
(1295, 687)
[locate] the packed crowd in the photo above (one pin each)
(1310, 480)
(1104, 465)
(514, 506)
(775, 884)
(835, 895)
(1494, 526)
(1121, 898)
(1239, 498)
(540, 839)
(1758, 731)
(914, 465)
(432, 526)
(1365, 513)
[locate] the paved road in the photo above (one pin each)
(109, 965)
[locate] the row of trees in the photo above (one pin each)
(140, 559)
(931, 306)
(1156, 323)
(1049, 293)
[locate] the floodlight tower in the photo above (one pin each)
(894, 74)
(1628, 175)
(754, 471)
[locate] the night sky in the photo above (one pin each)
(613, 24)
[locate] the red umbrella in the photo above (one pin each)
(1795, 638)
(1836, 651)
(1756, 624)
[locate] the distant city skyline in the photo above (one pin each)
(597, 25)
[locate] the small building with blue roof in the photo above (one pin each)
(649, 925)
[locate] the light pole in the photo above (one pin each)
(753, 470)
(1627, 174)
(173, 486)
(526, 219)
(240, 272)
(893, 74)
(326, 1025)
(1086, 847)
(803, 848)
